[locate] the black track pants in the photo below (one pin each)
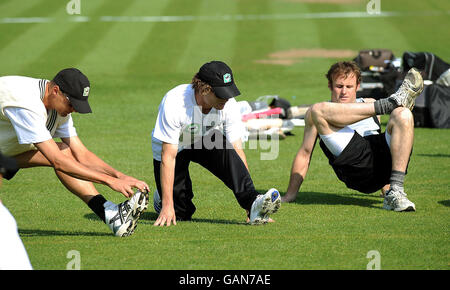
(222, 161)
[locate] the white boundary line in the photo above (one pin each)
(237, 17)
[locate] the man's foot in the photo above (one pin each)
(263, 206)
(289, 197)
(411, 87)
(396, 200)
(122, 218)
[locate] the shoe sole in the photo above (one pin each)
(408, 208)
(271, 204)
(415, 77)
(140, 206)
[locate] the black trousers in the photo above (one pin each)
(365, 164)
(222, 161)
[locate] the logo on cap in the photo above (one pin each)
(86, 92)
(227, 78)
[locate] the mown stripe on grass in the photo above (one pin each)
(169, 38)
(30, 44)
(16, 39)
(338, 33)
(70, 48)
(380, 33)
(209, 41)
(414, 31)
(253, 39)
(119, 44)
(12, 32)
(10, 8)
(296, 34)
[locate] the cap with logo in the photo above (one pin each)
(76, 86)
(220, 77)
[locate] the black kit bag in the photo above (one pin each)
(432, 108)
(379, 58)
(431, 66)
(378, 75)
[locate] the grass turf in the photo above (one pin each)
(132, 64)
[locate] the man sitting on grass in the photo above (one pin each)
(362, 157)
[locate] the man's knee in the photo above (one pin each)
(318, 108)
(402, 116)
(318, 111)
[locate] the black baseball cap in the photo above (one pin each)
(8, 166)
(220, 77)
(76, 86)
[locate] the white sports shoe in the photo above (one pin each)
(396, 200)
(122, 218)
(264, 205)
(410, 88)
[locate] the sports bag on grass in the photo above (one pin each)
(380, 58)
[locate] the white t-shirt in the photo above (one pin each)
(30, 129)
(180, 120)
(30, 126)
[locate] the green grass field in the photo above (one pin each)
(133, 60)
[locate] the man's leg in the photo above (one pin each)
(224, 162)
(85, 190)
(331, 117)
(182, 187)
(401, 129)
(121, 218)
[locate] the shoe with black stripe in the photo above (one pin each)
(122, 218)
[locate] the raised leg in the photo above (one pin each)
(331, 117)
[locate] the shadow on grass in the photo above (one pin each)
(435, 155)
(149, 217)
(358, 199)
(306, 198)
(48, 233)
(152, 216)
(445, 202)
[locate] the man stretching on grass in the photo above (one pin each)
(33, 112)
(200, 122)
(362, 157)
